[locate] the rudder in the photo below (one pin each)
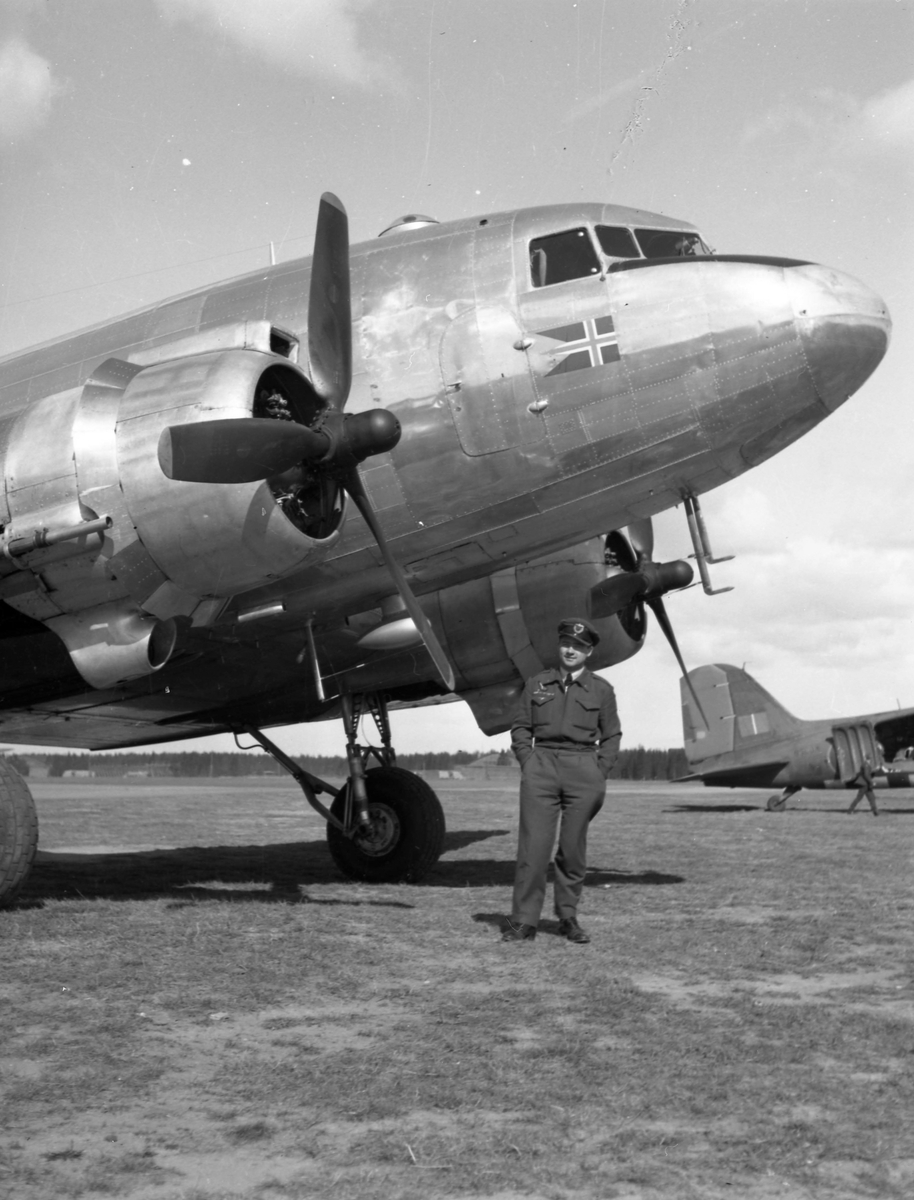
(740, 713)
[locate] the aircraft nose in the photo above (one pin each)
(844, 327)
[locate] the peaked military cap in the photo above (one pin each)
(579, 630)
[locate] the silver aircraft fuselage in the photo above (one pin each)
(552, 383)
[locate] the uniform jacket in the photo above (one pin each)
(864, 776)
(585, 715)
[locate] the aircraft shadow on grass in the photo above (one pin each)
(221, 872)
(270, 874)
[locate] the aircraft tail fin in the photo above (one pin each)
(741, 714)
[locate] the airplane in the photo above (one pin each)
(743, 737)
(378, 477)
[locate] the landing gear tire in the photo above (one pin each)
(776, 803)
(406, 835)
(18, 832)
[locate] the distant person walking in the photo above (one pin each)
(864, 778)
(566, 738)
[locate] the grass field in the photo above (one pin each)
(195, 1005)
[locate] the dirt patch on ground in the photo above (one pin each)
(889, 992)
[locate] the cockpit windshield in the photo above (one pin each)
(571, 254)
(670, 243)
(617, 242)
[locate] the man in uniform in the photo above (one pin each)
(566, 737)
(864, 780)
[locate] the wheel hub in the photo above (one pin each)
(382, 833)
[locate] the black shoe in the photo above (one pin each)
(570, 929)
(518, 933)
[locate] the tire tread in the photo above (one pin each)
(422, 812)
(18, 832)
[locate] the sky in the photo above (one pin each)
(152, 146)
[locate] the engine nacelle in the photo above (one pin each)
(106, 550)
(213, 539)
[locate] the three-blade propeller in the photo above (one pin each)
(642, 581)
(245, 449)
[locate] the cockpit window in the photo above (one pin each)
(562, 256)
(670, 243)
(617, 242)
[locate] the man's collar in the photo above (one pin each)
(580, 676)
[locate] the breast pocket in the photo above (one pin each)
(541, 709)
(586, 714)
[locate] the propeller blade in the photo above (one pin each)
(641, 536)
(613, 594)
(329, 309)
(657, 608)
(237, 449)
(353, 485)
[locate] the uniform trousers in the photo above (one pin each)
(563, 788)
(865, 789)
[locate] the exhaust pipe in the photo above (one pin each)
(114, 643)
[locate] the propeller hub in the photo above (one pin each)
(353, 437)
(372, 432)
(661, 578)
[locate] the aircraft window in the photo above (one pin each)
(670, 243)
(616, 242)
(562, 256)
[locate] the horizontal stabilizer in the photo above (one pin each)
(755, 775)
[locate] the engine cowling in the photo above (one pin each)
(215, 539)
(103, 548)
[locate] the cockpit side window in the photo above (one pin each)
(670, 243)
(562, 256)
(617, 242)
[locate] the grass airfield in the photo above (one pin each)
(195, 1005)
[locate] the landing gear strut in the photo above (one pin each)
(385, 825)
(779, 803)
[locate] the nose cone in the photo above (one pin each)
(844, 327)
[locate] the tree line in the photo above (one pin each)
(635, 763)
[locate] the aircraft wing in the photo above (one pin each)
(220, 678)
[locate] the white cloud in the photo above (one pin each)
(887, 120)
(27, 88)
(842, 124)
(317, 37)
(823, 577)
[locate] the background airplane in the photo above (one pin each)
(496, 398)
(743, 737)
